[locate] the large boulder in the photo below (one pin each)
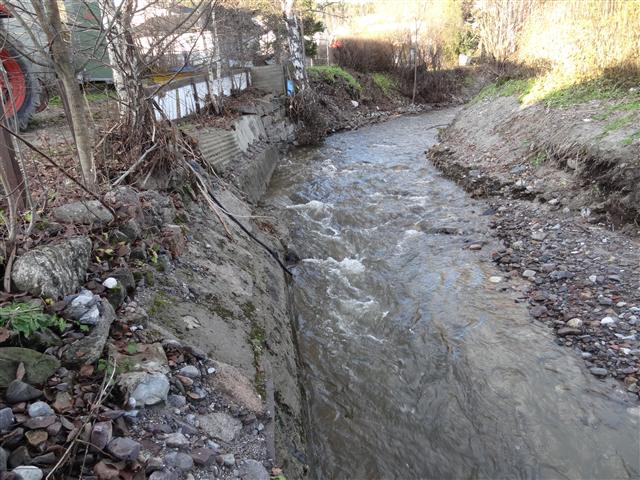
(90, 212)
(38, 366)
(53, 270)
(89, 348)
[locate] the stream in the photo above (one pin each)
(415, 365)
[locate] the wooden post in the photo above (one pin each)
(12, 178)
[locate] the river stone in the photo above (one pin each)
(574, 323)
(220, 425)
(38, 366)
(29, 473)
(177, 440)
(53, 270)
(88, 349)
(253, 470)
(39, 409)
(124, 448)
(84, 213)
(179, 460)
(4, 457)
(145, 388)
(18, 391)
(598, 371)
(6, 419)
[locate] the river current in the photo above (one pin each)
(416, 366)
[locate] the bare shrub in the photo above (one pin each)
(365, 55)
(306, 110)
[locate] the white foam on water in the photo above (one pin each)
(314, 205)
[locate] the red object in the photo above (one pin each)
(14, 98)
(336, 44)
(4, 13)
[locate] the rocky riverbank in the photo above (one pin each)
(151, 336)
(559, 235)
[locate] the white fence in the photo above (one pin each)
(186, 96)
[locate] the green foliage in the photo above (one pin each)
(132, 348)
(467, 41)
(505, 88)
(598, 89)
(631, 138)
(539, 159)
(331, 73)
(26, 319)
(384, 81)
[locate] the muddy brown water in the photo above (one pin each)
(416, 365)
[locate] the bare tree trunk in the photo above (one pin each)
(59, 39)
(295, 42)
(215, 58)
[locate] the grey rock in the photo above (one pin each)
(164, 474)
(53, 270)
(145, 388)
(20, 456)
(80, 304)
(253, 470)
(204, 456)
(153, 465)
(179, 460)
(574, 323)
(176, 401)
(190, 371)
(4, 458)
(529, 274)
(131, 230)
(124, 448)
(89, 348)
(29, 473)
(228, 460)
(19, 391)
(599, 372)
(220, 425)
(564, 331)
(177, 440)
(606, 301)
(125, 278)
(39, 409)
(38, 366)
(83, 213)
(6, 419)
(101, 434)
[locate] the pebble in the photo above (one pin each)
(19, 391)
(204, 456)
(179, 460)
(529, 274)
(177, 440)
(599, 372)
(252, 470)
(164, 474)
(190, 371)
(110, 283)
(124, 448)
(4, 457)
(101, 434)
(574, 323)
(6, 419)
(495, 279)
(176, 401)
(228, 460)
(29, 473)
(607, 321)
(39, 409)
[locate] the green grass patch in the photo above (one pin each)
(331, 73)
(619, 123)
(598, 89)
(631, 138)
(56, 101)
(505, 88)
(384, 82)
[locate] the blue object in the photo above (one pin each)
(290, 88)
